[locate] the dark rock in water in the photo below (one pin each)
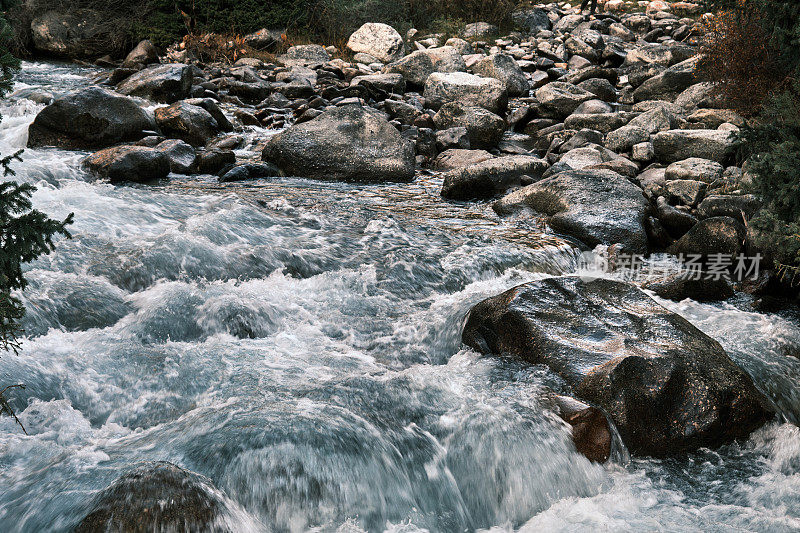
(157, 496)
(128, 163)
(716, 235)
(349, 143)
(89, 118)
(161, 83)
(595, 206)
(700, 287)
(181, 155)
(187, 122)
(213, 109)
(591, 432)
(667, 386)
(215, 160)
(251, 171)
(491, 177)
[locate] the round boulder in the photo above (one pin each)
(667, 386)
(349, 143)
(381, 41)
(89, 118)
(128, 163)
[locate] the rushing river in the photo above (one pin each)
(299, 343)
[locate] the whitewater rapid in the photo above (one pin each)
(299, 344)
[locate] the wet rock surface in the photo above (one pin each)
(667, 386)
(157, 496)
(349, 143)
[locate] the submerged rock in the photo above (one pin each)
(158, 496)
(129, 163)
(491, 177)
(89, 118)
(595, 206)
(349, 143)
(667, 386)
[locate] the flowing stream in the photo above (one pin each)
(299, 343)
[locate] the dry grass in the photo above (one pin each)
(738, 57)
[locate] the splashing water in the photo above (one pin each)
(298, 343)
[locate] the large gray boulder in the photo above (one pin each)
(89, 118)
(467, 89)
(145, 53)
(669, 84)
(350, 143)
(491, 177)
(158, 496)
(305, 55)
(381, 41)
(187, 122)
(418, 65)
(161, 83)
(485, 129)
(128, 163)
(503, 67)
(667, 386)
(594, 206)
(677, 145)
(562, 97)
(531, 20)
(71, 33)
(694, 168)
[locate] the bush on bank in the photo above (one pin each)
(751, 52)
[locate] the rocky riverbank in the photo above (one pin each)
(598, 126)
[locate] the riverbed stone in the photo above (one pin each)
(458, 158)
(349, 143)
(187, 122)
(503, 67)
(668, 387)
(467, 89)
(712, 236)
(305, 55)
(70, 33)
(89, 118)
(418, 65)
(161, 83)
(381, 41)
(128, 163)
(181, 155)
(485, 129)
(562, 97)
(695, 168)
(594, 206)
(491, 177)
(145, 53)
(677, 145)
